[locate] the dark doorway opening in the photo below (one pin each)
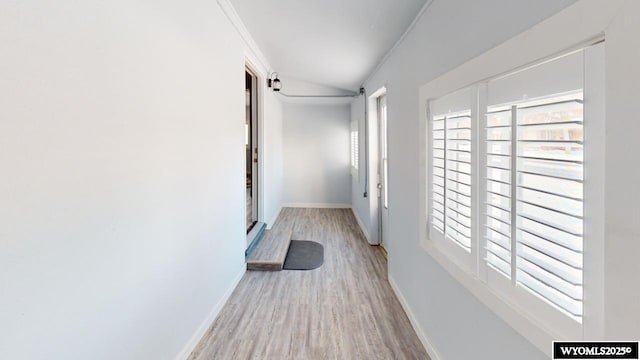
(251, 145)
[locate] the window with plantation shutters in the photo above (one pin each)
(534, 171)
(514, 196)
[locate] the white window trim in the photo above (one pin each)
(530, 47)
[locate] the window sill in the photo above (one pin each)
(539, 335)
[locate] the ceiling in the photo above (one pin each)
(335, 43)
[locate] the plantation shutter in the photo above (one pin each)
(549, 201)
(451, 169)
(534, 181)
(498, 190)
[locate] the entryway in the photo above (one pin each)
(251, 148)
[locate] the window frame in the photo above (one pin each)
(513, 308)
(354, 149)
(383, 148)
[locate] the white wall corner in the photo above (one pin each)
(318, 205)
(254, 52)
(208, 321)
(433, 354)
(274, 218)
(400, 40)
(361, 224)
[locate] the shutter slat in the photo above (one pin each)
(461, 239)
(555, 169)
(499, 251)
(499, 227)
(500, 265)
(550, 294)
(562, 254)
(574, 291)
(570, 224)
(562, 187)
(557, 236)
(499, 238)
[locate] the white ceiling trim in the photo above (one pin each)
(399, 41)
(252, 46)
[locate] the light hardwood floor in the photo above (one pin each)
(345, 309)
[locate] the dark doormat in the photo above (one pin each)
(304, 255)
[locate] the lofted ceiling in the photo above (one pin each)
(335, 43)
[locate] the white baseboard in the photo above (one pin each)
(433, 354)
(362, 227)
(204, 326)
(274, 218)
(317, 205)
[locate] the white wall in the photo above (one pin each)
(366, 207)
(294, 86)
(122, 176)
(316, 154)
(272, 158)
(361, 205)
(622, 197)
(447, 313)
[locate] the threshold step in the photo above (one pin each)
(269, 253)
(254, 236)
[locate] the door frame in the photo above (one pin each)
(258, 85)
(375, 199)
(383, 160)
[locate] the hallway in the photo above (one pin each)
(487, 145)
(346, 309)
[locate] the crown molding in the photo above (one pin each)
(256, 55)
(398, 42)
